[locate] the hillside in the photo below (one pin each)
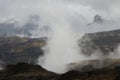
(103, 42)
(16, 49)
(22, 49)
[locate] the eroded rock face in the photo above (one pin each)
(89, 65)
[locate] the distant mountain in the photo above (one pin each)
(11, 27)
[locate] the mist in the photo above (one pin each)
(79, 13)
(63, 22)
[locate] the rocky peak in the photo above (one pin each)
(98, 19)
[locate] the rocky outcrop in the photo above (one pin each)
(23, 71)
(98, 19)
(102, 74)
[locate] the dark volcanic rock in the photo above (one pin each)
(103, 74)
(23, 71)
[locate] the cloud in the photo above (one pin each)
(77, 12)
(15, 8)
(98, 4)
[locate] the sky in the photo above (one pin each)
(78, 12)
(13, 8)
